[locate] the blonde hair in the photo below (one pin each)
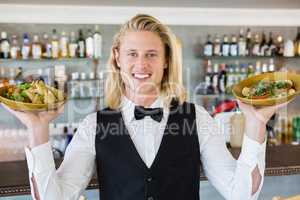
(171, 85)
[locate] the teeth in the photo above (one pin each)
(141, 75)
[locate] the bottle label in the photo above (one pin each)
(64, 47)
(48, 52)
(36, 51)
(215, 81)
(233, 50)
(225, 50)
(264, 50)
(55, 49)
(242, 49)
(217, 50)
(72, 50)
(208, 50)
(89, 47)
(14, 52)
(5, 46)
(255, 50)
(81, 49)
(97, 46)
(25, 52)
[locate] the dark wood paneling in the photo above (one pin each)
(281, 160)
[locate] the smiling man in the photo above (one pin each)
(148, 143)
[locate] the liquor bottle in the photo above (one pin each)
(5, 46)
(256, 46)
(215, 77)
(89, 45)
(225, 46)
(36, 48)
(217, 46)
(258, 68)
(271, 65)
(209, 88)
(297, 43)
(243, 71)
(81, 45)
(26, 49)
(263, 45)
(73, 45)
(233, 46)
(296, 129)
(264, 68)
(97, 38)
(271, 46)
(46, 47)
(209, 68)
(240, 71)
(208, 47)
(289, 49)
(222, 79)
(15, 48)
(63, 44)
(230, 79)
(250, 70)
(237, 72)
(55, 44)
(242, 44)
(280, 45)
(249, 44)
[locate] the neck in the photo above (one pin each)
(142, 99)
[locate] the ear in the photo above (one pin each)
(117, 57)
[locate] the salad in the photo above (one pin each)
(269, 89)
(36, 92)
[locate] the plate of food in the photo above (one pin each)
(33, 96)
(268, 89)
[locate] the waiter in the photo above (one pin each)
(149, 142)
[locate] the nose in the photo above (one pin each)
(141, 62)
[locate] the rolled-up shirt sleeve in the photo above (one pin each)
(75, 172)
(232, 178)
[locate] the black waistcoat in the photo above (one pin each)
(174, 173)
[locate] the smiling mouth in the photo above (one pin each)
(141, 76)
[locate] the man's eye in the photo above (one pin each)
(151, 55)
(132, 54)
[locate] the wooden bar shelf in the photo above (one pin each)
(280, 160)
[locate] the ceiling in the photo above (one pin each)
(256, 4)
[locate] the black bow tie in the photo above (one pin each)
(155, 113)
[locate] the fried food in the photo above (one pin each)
(36, 92)
(269, 89)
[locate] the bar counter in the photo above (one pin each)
(280, 160)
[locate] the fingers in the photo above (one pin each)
(11, 110)
(61, 109)
(241, 104)
(249, 110)
(244, 106)
(283, 104)
(25, 117)
(52, 114)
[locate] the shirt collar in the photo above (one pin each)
(127, 108)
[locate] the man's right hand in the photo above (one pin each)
(37, 123)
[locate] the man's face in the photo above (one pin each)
(141, 58)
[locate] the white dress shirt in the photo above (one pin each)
(232, 178)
